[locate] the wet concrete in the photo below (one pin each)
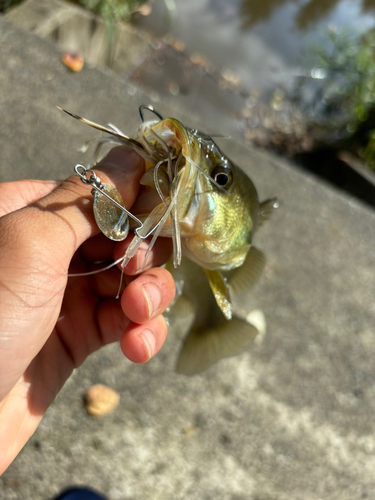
(290, 418)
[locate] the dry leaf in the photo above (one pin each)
(72, 61)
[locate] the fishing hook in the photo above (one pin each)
(149, 108)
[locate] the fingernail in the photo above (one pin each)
(140, 257)
(149, 340)
(152, 294)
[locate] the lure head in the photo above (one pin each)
(217, 203)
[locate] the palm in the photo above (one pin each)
(84, 324)
(37, 245)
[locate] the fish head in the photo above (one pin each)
(217, 202)
(218, 223)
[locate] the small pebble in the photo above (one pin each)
(101, 400)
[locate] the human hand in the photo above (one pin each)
(49, 324)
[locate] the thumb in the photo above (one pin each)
(67, 212)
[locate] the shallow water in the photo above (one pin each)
(264, 40)
(263, 43)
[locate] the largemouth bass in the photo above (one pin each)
(210, 209)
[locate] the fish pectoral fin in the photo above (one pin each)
(181, 308)
(245, 277)
(202, 348)
(219, 287)
(265, 210)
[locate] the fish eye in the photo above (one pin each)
(222, 175)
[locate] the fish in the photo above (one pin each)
(210, 209)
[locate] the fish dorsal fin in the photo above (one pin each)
(219, 287)
(247, 275)
(265, 210)
(204, 347)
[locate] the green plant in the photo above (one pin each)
(343, 97)
(113, 10)
(350, 73)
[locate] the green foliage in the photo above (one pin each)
(344, 100)
(112, 10)
(349, 86)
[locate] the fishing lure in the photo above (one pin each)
(209, 208)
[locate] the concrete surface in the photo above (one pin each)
(292, 418)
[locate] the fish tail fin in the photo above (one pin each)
(204, 347)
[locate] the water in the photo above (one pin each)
(264, 41)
